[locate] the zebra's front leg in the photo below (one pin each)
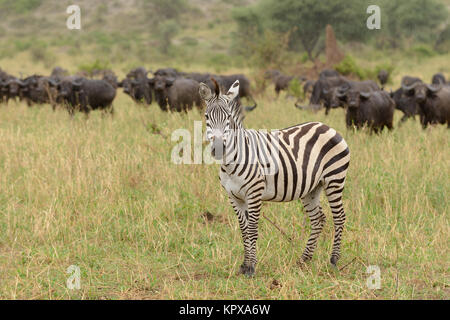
(240, 208)
(253, 211)
(248, 216)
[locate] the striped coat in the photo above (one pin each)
(283, 165)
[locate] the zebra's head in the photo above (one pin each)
(220, 115)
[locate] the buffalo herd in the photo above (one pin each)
(172, 90)
(366, 102)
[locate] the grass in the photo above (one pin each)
(102, 194)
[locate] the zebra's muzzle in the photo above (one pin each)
(217, 148)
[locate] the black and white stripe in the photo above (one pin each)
(283, 165)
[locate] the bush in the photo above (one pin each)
(167, 30)
(268, 51)
(19, 6)
(189, 41)
(22, 45)
(423, 51)
(219, 62)
(296, 89)
(442, 44)
(96, 65)
(348, 67)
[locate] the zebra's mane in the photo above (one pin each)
(236, 113)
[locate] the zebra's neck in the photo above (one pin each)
(237, 145)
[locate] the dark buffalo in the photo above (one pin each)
(137, 73)
(271, 74)
(59, 73)
(307, 92)
(339, 94)
(321, 93)
(433, 102)
(176, 94)
(86, 94)
(183, 94)
(3, 91)
(373, 109)
(167, 72)
(39, 89)
(282, 82)
(405, 104)
(11, 88)
(197, 76)
(161, 85)
(225, 82)
(438, 78)
(383, 77)
(138, 86)
(328, 73)
(140, 90)
(308, 87)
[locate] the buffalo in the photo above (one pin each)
(328, 73)
(438, 78)
(383, 77)
(321, 93)
(433, 102)
(59, 73)
(167, 72)
(272, 74)
(39, 89)
(140, 90)
(137, 73)
(137, 85)
(176, 94)
(374, 109)
(404, 103)
(338, 95)
(86, 94)
(282, 82)
(225, 83)
(11, 88)
(199, 77)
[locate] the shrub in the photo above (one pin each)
(296, 89)
(96, 65)
(423, 51)
(348, 67)
(19, 6)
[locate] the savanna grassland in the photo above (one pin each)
(102, 192)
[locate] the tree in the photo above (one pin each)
(306, 20)
(417, 19)
(166, 31)
(163, 16)
(162, 10)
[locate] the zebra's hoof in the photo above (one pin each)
(249, 271)
(334, 260)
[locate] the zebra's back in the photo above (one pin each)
(301, 157)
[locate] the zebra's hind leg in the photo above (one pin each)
(334, 194)
(311, 203)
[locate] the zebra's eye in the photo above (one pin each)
(206, 116)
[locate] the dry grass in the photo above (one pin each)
(103, 194)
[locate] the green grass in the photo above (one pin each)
(103, 194)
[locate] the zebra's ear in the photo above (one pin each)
(205, 92)
(233, 91)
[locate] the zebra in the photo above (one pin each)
(284, 165)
